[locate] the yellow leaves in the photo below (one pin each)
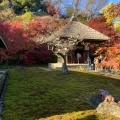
(28, 16)
(108, 13)
(109, 19)
(118, 16)
(17, 18)
(112, 14)
(117, 26)
(107, 8)
(6, 14)
(4, 3)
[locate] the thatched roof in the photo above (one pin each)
(77, 30)
(2, 43)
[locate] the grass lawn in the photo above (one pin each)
(35, 93)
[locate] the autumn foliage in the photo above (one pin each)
(14, 35)
(20, 43)
(22, 37)
(111, 48)
(52, 11)
(100, 25)
(111, 56)
(36, 27)
(112, 14)
(40, 55)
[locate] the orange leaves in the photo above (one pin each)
(112, 57)
(115, 50)
(101, 50)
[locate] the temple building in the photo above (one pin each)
(83, 34)
(2, 43)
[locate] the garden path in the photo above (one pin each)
(3, 78)
(47, 69)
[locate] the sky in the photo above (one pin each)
(69, 3)
(114, 1)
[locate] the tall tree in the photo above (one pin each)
(92, 7)
(21, 6)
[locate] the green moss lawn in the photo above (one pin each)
(35, 93)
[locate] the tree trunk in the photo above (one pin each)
(64, 65)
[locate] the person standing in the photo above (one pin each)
(100, 61)
(79, 57)
(96, 63)
(89, 63)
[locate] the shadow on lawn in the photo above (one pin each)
(52, 93)
(82, 90)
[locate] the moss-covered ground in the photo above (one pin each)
(35, 93)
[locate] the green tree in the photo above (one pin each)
(21, 6)
(6, 13)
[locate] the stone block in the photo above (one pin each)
(111, 108)
(55, 65)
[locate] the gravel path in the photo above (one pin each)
(3, 78)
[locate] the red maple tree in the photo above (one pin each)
(100, 25)
(52, 11)
(20, 42)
